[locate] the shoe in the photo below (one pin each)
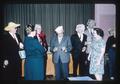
(112, 78)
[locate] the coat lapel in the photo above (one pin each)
(77, 37)
(62, 39)
(56, 41)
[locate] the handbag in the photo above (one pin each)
(22, 54)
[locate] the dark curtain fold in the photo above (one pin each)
(49, 16)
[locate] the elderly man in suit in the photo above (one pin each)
(60, 46)
(78, 50)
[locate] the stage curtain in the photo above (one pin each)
(48, 15)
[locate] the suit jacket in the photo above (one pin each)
(77, 45)
(109, 43)
(64, 56)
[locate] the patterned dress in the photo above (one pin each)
(96, 46)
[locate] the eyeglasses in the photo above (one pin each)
(17, 27)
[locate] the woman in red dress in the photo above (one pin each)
(40, 35)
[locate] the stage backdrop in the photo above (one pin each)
(49, 16)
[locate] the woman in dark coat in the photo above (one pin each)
(10, 59)
(34, 62)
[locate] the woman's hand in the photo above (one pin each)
(89, 56)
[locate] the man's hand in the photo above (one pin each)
(55, 49)
(83, 49)
(5, 63)
(21, 45)
(64, 49)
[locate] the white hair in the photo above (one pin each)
(37, 26)
(80, 26)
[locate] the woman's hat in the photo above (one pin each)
(29, 28)
(59, 29)
(10, 26)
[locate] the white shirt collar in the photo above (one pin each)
(14, 36)
(80, 36)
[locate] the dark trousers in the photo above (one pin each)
(111, 62)
(81, 61)
(75, 65)
(61, 70)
